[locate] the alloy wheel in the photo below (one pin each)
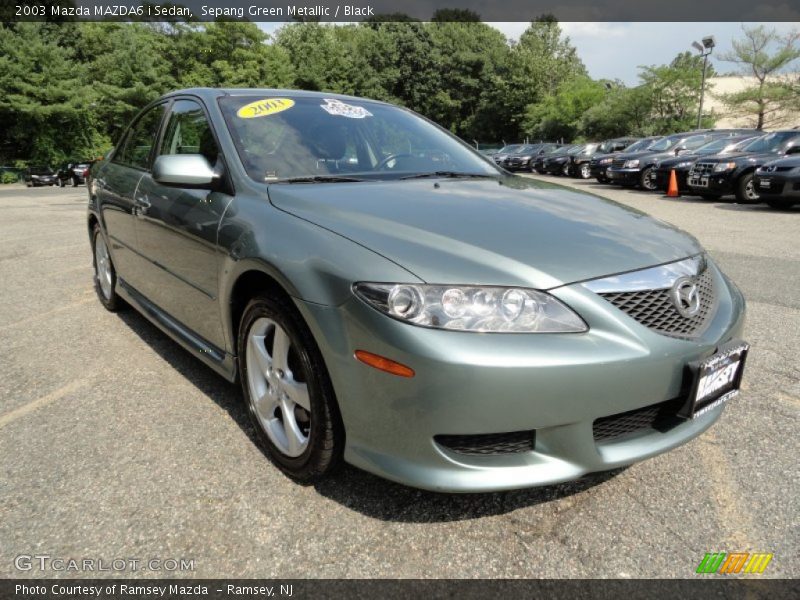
(103, 266)
(278, 392)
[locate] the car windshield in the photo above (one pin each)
(695, 142)
(639, 145)
(81, 166)
(314, 138)
(41, 171)
(664, 144)
(510, 149)
(772, 142)
(720, 144)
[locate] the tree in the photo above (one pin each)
(560, 115)
(762, 54)
(674, 93)
(622, 111)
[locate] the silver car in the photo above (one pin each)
(387, 296)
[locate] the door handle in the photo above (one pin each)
(140, 205)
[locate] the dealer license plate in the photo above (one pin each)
(764, 183)
(716, 379)
(699, 181)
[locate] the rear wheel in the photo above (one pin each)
(746, 190)
(105, 276)
(288, 391)
(647, 180)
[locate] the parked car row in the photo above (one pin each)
(69, 173)
(751, 165)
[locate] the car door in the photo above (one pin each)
(177, 229)
(115, 189)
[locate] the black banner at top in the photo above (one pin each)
(395, 10)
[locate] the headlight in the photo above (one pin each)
(720, 167)
(683, 164)
(472, 308)
(526, 157)
(605, 161)
(631, 164)
(34, 177)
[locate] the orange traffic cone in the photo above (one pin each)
(672, 189)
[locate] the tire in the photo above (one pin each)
(646, 181)
(61, 183)
(74, 182)
(781, 203)
(565, 170)
(105, 275)
(711, 197)
(585, 172)
(745, 190)
(316, 449)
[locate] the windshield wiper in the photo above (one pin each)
(450, 174)
(319, 179)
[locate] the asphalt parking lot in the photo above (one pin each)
(115, 443)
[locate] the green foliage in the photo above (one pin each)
(8, 177)
(763, 54)
(67, 90)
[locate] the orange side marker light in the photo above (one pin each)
(383, 364)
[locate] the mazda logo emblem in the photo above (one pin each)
(686, 297)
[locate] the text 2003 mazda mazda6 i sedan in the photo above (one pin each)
(388, 297)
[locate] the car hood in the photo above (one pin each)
(515, 232)
(744, 156)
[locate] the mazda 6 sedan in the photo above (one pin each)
(388, 297)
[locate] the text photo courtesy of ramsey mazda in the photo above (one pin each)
(371, 281)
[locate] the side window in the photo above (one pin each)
(140, 140)
(188, 132)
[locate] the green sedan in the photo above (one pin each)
(385, 295)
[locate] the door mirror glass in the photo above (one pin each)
(680, 149)
(185, 170)
(793, 150)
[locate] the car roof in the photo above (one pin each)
(211, 94)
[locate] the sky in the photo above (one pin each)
(616, 50)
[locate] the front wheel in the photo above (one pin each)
(746, 190)
(647, 180)
(585, 171)
(288, 391)
(105, 276)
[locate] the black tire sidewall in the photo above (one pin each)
(114, 302)
(741, 186)
(645, 176)
(326, 435)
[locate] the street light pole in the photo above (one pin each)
(705, 49)
(702, 89)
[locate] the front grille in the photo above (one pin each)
(659, 417)
(618, 163)
(511, 442)
(654, 308)
(701, 169)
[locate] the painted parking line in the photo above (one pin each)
(34, 405)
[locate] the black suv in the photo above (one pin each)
(682, 164)
(715, 177)
(558, 163)
(522, 160)
(637, 168)
(581, 163)
(75, 172)
(500, 156)
(36, 176)
(778, 182)
(601, 162)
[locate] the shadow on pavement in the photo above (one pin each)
(353, 488)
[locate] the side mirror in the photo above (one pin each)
(680, 149)
(793, 150)
(185, 170)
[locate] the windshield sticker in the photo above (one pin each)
(339, 108)
(264, 108)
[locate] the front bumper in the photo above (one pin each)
(718, 184)
(469, 384)
(623, 176)
(778, 185)
(598, 170)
